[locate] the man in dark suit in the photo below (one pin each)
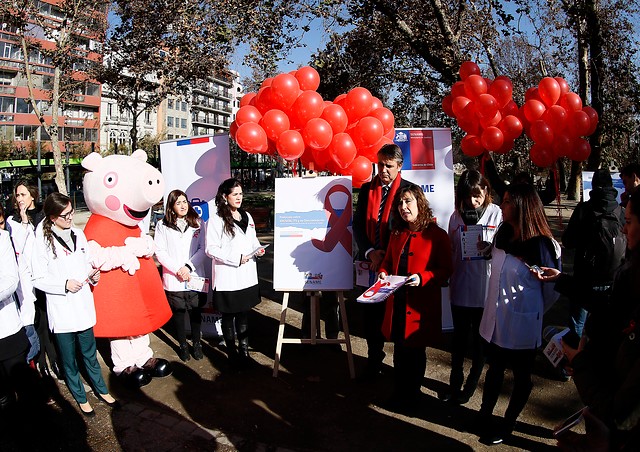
(371, 229)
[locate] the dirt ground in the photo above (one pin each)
(313, 405)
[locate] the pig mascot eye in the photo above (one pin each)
(110, 180)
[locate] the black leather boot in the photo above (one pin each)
(229, 336)
(197, 350)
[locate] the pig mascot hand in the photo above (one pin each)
(130, 302)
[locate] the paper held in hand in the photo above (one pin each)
(197, 284)
(382, 288)
(254, 252)
(553, 351)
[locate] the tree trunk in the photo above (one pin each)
(597, 70)
(53, 133)
(134, 127)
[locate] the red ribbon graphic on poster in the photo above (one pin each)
(377, 287)
(338, 224)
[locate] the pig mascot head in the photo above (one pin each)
(121, 187)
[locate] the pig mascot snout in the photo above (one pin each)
(130, 302)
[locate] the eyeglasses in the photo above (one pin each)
(67, 216)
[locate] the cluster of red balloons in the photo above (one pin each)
(556, 121)
(484, 109)
(288, 117)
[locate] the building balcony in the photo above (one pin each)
(7, 89)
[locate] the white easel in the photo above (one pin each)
(315, 325)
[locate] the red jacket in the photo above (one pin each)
(430, 257)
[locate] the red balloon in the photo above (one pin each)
(360, 169)
(502, 90)
(487, 106)
(475, 85)
(459, 104)
(284, 89)
(556, 116)
(290, 145)
(308, 78)
(564, 86)
(470, 113)
(233, 128)
(447, 103)
(471, 127)
(510, 109)
(340, 99)
(468, 68)
(342, 150)
(317, 134)
(511, 127)
(593, 116)
(335, 115)
(247, 98)
(375, 104)
(458, 90)
(266, 82)
(580, 151)
(533, 109)
(541, 156)
(369, 130)
(357, 103)
(371, 152)
(385, 116)
(532, 93)
(492, 138)
(562, 145)
(506, 147)
(391, 134)
(571, 102)
(274, 122)
(321, 158)
(549, 90)
(308, 105)
(263, 100)
(471, 146)
(251, 138)
(307, 159)
(491, 121)
(248, 113)
(541, 133)
(579, 123)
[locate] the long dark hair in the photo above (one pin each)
(54, 205)
(33, 191)
(529, 213)
(425, 214)
(170, 216)
(472, 183)
(224, 211)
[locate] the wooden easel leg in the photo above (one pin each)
(315, 316)
(283, 318)
(345, 329)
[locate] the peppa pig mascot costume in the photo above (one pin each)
(130, 302)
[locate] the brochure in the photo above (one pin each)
(198, 284)
(382, 288)
(553, 350)
(254, 252)
(364, 276)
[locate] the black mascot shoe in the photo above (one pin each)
(135, 377)
(158, 367)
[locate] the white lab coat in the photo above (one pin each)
(68, 312)
(516, 301)
(469, 280)
(174, 249)
(226, 251)
(10, 322)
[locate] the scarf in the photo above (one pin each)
(375, 196)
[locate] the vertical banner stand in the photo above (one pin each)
(315, 326)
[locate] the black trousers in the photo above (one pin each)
(409, 366)
(373, 317)
(466, 323)
(521, 362)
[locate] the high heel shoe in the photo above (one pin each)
(113, 404)
(86, 413)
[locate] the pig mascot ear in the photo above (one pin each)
(92, 161)
(140, 155)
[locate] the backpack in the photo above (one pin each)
(603, 247)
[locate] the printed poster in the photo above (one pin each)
(587, 177)
(313, 234)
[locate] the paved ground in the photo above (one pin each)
(312, 406)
